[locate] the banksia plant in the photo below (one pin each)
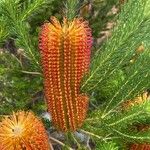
(65, 56)
(115, 80)
(23, 130)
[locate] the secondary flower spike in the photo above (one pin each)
(23, 131)
(140, 147)
(65, 55)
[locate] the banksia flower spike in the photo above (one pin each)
(65, 56)
(136, 101)
(140, 147)
(23, 131)
(130, 103)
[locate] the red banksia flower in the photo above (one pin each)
(23, 131)
(65, 56)
(140, 147)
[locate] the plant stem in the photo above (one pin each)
(59, 142)
(33, 73)
(91, 134)
(78, 144)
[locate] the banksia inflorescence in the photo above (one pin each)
(65, 56)
(136, 101)
(23, 131)
(140, 147)
(130, 103)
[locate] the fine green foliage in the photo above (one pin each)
(106, 146)
(120, 48)
(129, 117)
(21, 79)
(29, 8)
(17, 89)
(16, 12)
(71, 9)
(3, 30)
(116, 54)
(119, 72)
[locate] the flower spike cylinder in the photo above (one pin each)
(23, 131)
(65, 56)
(140, 147)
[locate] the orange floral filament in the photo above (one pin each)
(23, 130)
(65, 55)
(140, 147)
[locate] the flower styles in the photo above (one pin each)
(65, 55)
(140, 147)
(130, 103)
(23, 130)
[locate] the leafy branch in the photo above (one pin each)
(29, 8)
(116, 50)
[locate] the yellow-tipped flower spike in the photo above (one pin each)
(23, 131)
(65, 55)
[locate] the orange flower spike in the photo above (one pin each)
(23, 130)
(140, 147)
(65, 55)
